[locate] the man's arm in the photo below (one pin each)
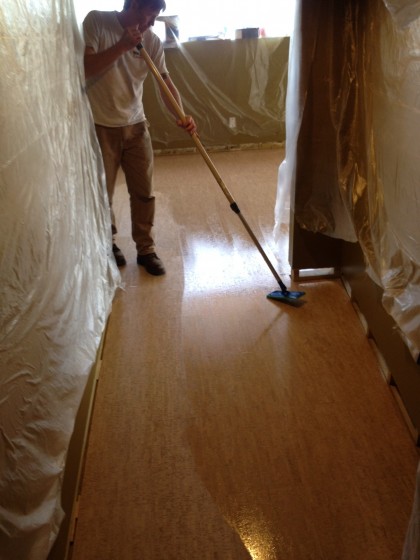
(188, 124)
(95, 63)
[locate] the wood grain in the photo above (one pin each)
(228, 426)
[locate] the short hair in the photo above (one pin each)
(154, 4)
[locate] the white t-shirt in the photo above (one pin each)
(116, 94)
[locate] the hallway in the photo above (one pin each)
(227, 426)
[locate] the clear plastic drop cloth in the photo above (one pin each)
(404, 12)
(57, 274)
(352, 160)
(309, 124)
(235, 90)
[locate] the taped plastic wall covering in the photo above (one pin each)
(293, 119)
(236, 91)
(308, 132)
(57, 274)
(355, 134)
(316, 207)
(404, 12)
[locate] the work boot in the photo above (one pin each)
(119, 256)
(151, 263)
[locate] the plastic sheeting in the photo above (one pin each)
(404, 12)
(57, 274)
(235, 90)
(352, 143)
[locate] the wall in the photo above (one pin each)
(235, 90)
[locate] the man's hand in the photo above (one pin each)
(187, 124)
(130, 38)
(95, 63)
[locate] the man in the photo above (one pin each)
(115, 72)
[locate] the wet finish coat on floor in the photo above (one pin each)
(229, 426)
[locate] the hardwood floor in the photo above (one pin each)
(228, 426)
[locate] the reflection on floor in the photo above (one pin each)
(226, 425)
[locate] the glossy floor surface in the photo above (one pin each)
(227, 426)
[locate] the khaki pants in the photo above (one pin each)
(131, 148)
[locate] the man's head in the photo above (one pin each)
(157, 5)
(141, 13)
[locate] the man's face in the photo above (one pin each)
(144, 17)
